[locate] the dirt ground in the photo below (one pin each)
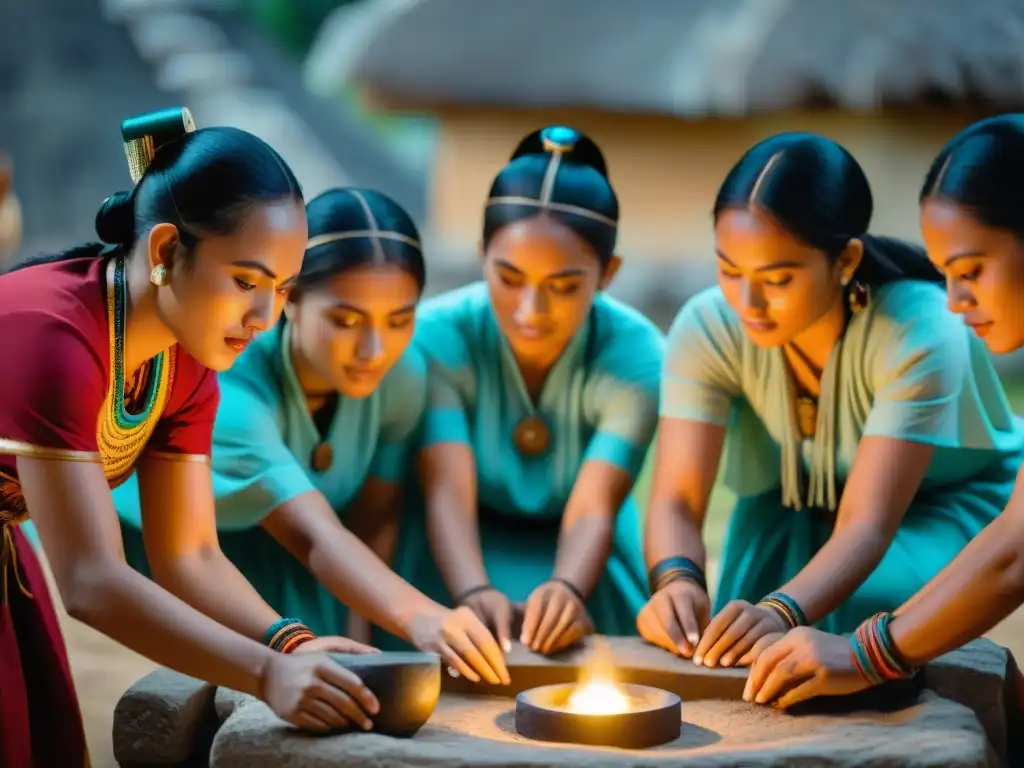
(103, 670)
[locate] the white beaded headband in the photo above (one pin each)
(557, 149)
(374, 233)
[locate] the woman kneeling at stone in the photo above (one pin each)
(869, 439)
(543, 402)
(311, 439)
(972, 219)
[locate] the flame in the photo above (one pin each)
(597, 692)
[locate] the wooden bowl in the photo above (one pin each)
(407, 685)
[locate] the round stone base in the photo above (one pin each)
(470, 731)
(959, 719)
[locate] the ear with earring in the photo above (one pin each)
(858, 294)
(159, 276)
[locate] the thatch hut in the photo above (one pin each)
(674, 91)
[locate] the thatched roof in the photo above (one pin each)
(681, 57)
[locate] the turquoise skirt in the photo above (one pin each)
(767, 544)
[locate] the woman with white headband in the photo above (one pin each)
(543, 402)
(869, 439)
(310, 444)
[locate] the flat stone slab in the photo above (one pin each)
(958, 720)
(471, 731)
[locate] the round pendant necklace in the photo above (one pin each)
(807, 415)
(531, 436)
(322, 457)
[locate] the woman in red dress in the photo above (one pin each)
(108, 357)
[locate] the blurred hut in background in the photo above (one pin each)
(674, 91)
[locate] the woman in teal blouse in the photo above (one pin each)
(543, 401)
(311, 440)
(972, 219)
(869, 439)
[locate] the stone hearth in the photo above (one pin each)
(959, 719)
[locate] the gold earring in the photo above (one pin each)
(860, 296)
(158, 276)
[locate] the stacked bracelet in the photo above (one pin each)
(672, 568)
(285, 635)
(786, 607)
(874, 653)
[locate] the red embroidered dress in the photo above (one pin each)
(63, 397)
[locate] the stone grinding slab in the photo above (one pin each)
(479, 732)
(959, 722)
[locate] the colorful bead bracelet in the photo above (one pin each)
(874, 653)
(285, 635)
(672, 568)
(786, 607)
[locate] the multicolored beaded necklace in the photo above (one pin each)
(122, 434)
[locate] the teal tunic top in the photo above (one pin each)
(906, 369)
(599, 402)
(263, 442)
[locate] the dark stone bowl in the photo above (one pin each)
(407, 685)
(655, 717)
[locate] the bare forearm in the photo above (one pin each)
(673, 531)
(359, 578)
(455, 542)
(837, 570)
(212, 584)
(381, 538)
(983, 585)
(584, 545)
(131, 609)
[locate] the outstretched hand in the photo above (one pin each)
(675, 617)
(803, 664)
(464, 644)
(554, 618)
(736, 635)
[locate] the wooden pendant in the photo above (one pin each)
(531, 436)
(323, 457)
(806, 416)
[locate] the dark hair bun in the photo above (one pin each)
(115, 221)
(575, 147)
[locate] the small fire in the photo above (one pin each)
(597, 692)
